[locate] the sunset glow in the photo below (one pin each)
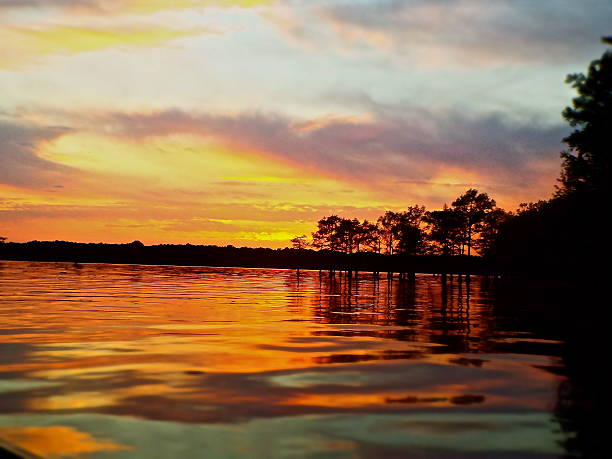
(126, 360)
(245, 121)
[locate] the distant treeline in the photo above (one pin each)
(229, 256)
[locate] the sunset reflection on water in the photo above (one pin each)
(160, 361)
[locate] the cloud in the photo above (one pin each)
(27, 45)
(20, 164)
(398, 143)
(43, 3)
(145, 6)
(394, 156)
(129, 6)
(442, 33)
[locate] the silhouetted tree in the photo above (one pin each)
(444, 230)
(409, 232)
(586, 166)
(490, 228)
(388, 228)
(326, 236)
(2, 239)
(336, 233)
(347, 232)
(572, 229)
(472, 208)
(410, 240)
(300, 242)
(401, 231)
(531, 206)
(414, 214)
(346, 235)
(367, 237)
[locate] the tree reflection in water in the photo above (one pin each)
(484, 315)
(444, 365)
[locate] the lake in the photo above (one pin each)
(131, 361)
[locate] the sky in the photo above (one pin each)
(245, 121)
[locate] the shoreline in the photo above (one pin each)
(136, 253)
(244, 257)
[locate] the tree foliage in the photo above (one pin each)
(571, 230)
(402, 232)
(472, 221)
(472, 209)
(300, 242)
(586, 165)
(326, 236)
(388, 224)
(444, 231)
(370, 237)
(489, 229)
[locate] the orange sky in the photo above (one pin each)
(244, 122)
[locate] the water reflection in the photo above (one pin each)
(355, 366)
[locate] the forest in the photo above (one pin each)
(469, 226)
(569, 231)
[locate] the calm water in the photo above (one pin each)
(155, 361)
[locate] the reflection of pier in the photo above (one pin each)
(445, 309)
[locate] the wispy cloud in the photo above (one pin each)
(20, 164)
(254, 178)
(128, 6)
(395, 143)
(25, 46)
(451, 33)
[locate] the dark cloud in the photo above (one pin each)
(468, 32)
(398, 143)
(19, 164)
(15, 210)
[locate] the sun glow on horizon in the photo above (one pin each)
(245, 121)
